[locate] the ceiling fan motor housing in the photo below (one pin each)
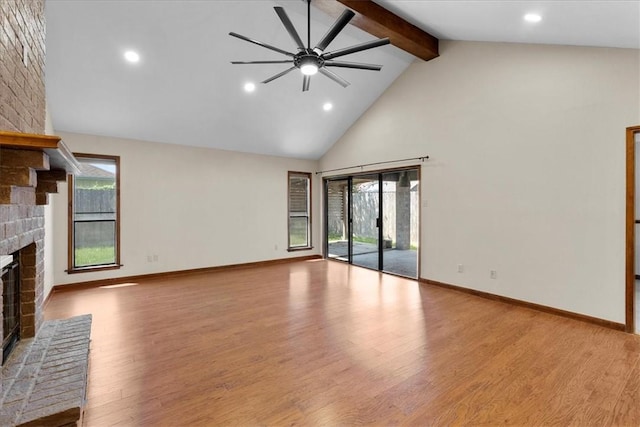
(308, 57)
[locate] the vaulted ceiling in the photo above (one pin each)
(185, 91)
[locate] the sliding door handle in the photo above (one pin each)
(378, 222)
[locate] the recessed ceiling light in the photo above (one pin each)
(532, 17)
(131, 56)
(249, 87)
(327, 106)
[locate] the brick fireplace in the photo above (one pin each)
(25, 226)
(30, 168)
(22, 109)
(31, 165)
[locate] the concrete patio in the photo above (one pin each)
(401, 262)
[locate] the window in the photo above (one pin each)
(299, 210)
(94, 214)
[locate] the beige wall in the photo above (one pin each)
(192, 207)
(526, 175)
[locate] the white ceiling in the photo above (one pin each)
(185, 91)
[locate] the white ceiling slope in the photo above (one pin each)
(185, 91)
(604, 23)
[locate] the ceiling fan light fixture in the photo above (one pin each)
(309, 69)
(308, 65)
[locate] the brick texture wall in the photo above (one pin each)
(23, 231)
(22, 109)
(22, 59)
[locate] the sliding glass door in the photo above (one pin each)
(400, 222)
(371, 220)
(337, 219)
(365, 221)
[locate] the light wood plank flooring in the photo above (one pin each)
(324, 343)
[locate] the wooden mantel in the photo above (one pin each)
(31, 166)
(60, 157)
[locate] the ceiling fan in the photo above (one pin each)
(315, 60)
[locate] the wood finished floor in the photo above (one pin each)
(322, 343)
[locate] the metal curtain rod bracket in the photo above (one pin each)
(422, 159)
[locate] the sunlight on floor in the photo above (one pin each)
(120, 285)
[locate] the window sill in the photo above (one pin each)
(301, 248)
(93, 268)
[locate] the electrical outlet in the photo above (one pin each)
(155, 257)
(493, 274)
(275, 247)
(460, 268)
(149, 258)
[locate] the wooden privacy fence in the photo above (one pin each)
(95, 214)
(365, 206)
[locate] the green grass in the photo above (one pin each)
(333, 237)
(95, 256)
(374, 241)
(298, 240)
(363, 239)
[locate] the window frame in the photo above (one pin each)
(71, 268)
(309, 244)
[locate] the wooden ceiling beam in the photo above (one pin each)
(379, 22)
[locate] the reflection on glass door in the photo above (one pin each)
(400, 222)
(365, 221)
(337, 220)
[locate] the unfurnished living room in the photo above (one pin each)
(325, 212)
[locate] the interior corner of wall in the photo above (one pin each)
(48, 122)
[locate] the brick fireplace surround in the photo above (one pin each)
(22, 228)
(22, 109)
(31, 165)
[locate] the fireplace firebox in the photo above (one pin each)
(11, 303)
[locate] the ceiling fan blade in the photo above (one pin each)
(289, 26)
(270, 79)
(340, 23)
(356, 48)
(356, 65)
(268, 46)
(333, 76)
(286, 61)
(305, 83)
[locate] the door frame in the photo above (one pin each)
(348, 177)
(630, 232)
(325, 216)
